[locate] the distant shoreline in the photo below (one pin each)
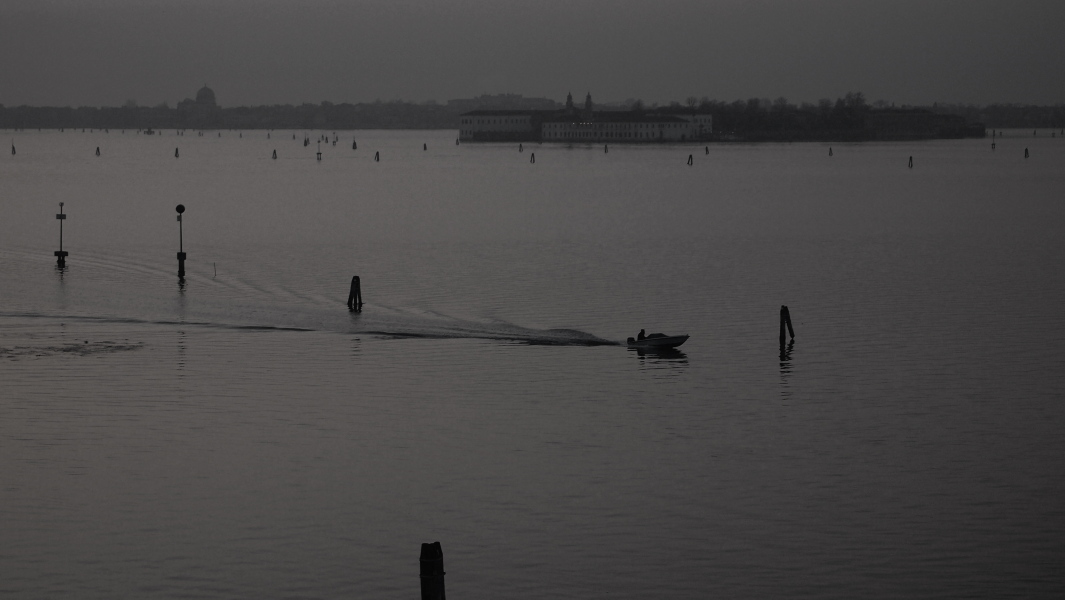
(729, 124)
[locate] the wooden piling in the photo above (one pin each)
(432, 571)
(785, 321)
(355, 294)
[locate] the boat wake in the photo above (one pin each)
(390, 325)
(83, 348)
(532, 337)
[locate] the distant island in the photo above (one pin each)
(849, 118)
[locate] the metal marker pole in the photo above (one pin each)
(62, 262)
(181, 244)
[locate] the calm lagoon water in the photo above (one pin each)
(244, 436)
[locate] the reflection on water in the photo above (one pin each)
(658, 358)
(182, 349)
(61, 289)
(785, 368)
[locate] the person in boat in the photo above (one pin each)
(641, 336)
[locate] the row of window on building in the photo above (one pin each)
(472, 121)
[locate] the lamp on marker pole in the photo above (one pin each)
(62, 262)
(181, 246)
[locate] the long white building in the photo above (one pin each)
(585, 126)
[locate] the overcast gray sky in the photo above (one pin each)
(104, 52)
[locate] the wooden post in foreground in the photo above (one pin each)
(355, 294)
(785, 320)
(432, 572)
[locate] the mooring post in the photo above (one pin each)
(355, 294)
(432, 572)
(60, 254)
(785, 321)
(181, 244)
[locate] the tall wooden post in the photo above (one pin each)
(785, 321)
(355, 294)
(432, 572)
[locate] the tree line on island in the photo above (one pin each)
(848, 118)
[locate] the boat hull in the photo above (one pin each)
(668, 341)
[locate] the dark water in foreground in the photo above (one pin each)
(246, 436)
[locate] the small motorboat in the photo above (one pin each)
(657, 340)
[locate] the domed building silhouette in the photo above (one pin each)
(201, 112)
(205, 97)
